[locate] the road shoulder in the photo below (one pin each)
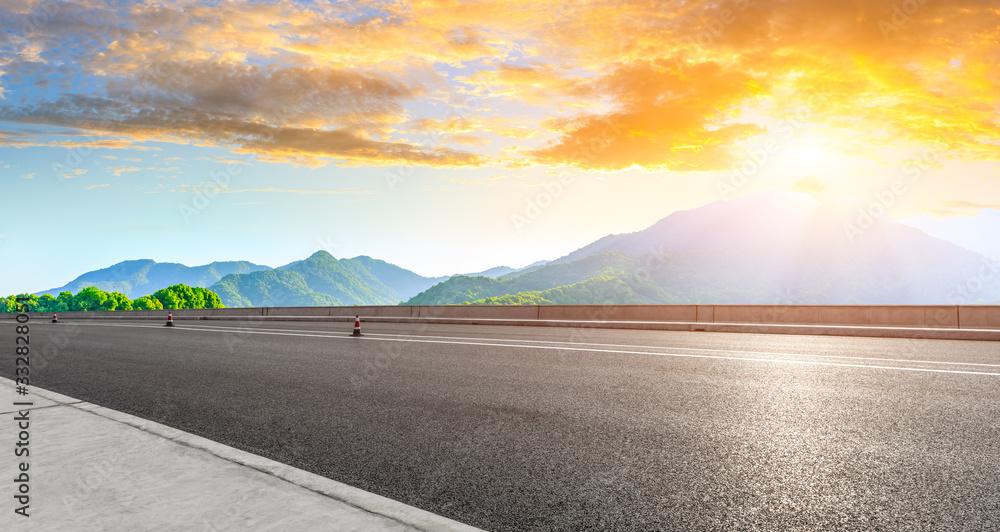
(92, 468)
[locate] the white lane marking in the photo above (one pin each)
(346, 336)
(847, 357)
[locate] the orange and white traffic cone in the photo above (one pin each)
(357, 326)
(55, 319)
(170, 319)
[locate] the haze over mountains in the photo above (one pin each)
(770, 247)
(766, 248)
(137, 278)
(979, 233)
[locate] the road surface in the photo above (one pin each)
(524, 428)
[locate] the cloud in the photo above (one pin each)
(971, 205)
(119, 170)
(960, 208)
(29, 176)
(90, 187)
(532, 84)
(468, 140)
(307, 146)
(444, 130)
(33, 140)
(203, 83)
(668, 119)
(70, 174)
(904, 89)
(309, 96)
(601, 84)
(224, 160)
(808, 185)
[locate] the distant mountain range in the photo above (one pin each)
(137, 278)
(754, 219)
(771, 247)
(322, 280)
(317, 280)
(980, 233)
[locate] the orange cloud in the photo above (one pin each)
(668, 118)
(601, 84)
(119, 170)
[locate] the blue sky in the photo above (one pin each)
(428, 222)
(515, 131)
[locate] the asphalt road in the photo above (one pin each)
(509, 428)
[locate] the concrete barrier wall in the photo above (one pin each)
(885, 316)
(979, 317)
(945, 317)
(684, 313)
(494, 312)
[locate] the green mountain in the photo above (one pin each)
(346, 280)
(605, 267)
(764, 248)
(495, 272)
(322, 280)
(270, 288)
(137, 278)
(601, 290)
(319, 280)
(401, 280)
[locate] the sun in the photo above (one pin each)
(814, 157)
(808, 155)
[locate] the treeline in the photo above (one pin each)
(603, 290)
(179, 296)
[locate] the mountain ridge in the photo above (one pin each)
(979, 233)
(319, 279)
(137, 278)
(770, 247)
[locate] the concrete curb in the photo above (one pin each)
(369, 502)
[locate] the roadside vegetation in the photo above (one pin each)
(91, 298)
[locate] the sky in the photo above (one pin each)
(453, 136)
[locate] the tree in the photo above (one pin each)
(210, 299)
(64, 302)
(90, 298)
(46, 303)
(147, 303)
(168, 298)
(181, 296)
(26, 299)
(117, 301)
